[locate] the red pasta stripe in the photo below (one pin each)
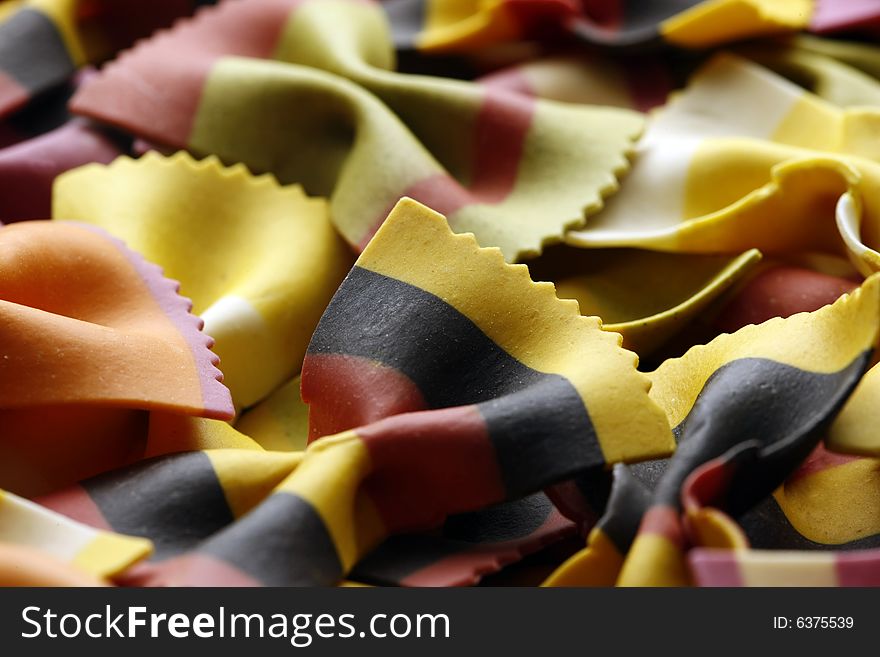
(663, 521)
(76, 503)
(137, 94)
(707, 485)
(821, 459)
(716, 568)
(499, 138)
(354, 391)
(858, 568)
(429, 464)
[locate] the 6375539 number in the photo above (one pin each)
(813, 622)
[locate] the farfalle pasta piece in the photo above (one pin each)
(112, 334)
(81, 549)
(830, 500)
(92, 337)
(750, 406)
(500, 153)
(452, 25)
(437, 338)
(44, 42)
(515, 171)
(771, 181)
(461, 398)
(259, 261)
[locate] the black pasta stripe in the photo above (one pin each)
(282, 542)
(32, 51)
(595, 490)
(542, 435)
(175, 501)
(650, 472)
(623, 514)
(507, 521)
(757, 399)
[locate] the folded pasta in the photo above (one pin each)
(514, 171)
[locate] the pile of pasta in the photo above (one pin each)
(439, 292)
